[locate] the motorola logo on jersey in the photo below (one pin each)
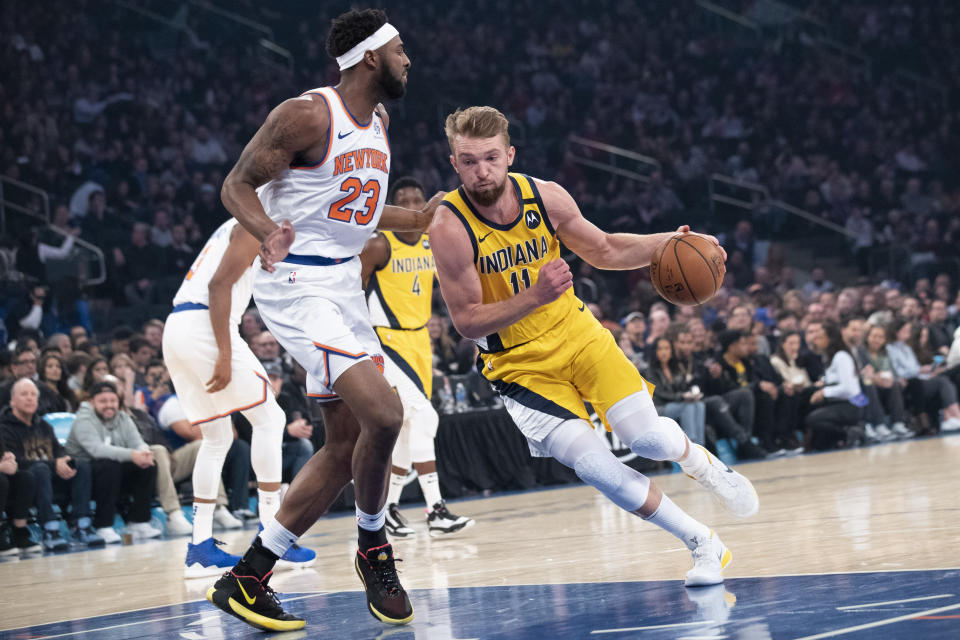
(426, 243)
(532, 218)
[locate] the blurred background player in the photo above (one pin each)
(496, 241)
(398, 274)
(215, 374)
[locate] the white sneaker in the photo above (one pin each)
(440, 522)
(735, 493)
(396, 524)
(871, 433)
(950, 424)
(143, 530)
(710, 556)
(900, 430)
(884, 433)
(109, 535)
(177, 524)
(225, 520)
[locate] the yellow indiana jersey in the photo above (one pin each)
(508, 258)
(401, 292)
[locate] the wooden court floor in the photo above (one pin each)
(887, 508)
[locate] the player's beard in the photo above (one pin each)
(391, 85)
(488, 197)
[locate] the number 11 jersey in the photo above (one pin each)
(334, 205)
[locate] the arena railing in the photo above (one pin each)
(611, 159)
(18, 196)
(754, 197)
(92, 260)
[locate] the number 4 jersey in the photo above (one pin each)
(334, 205)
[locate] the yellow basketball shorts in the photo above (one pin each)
(411, 352)
(547, 381)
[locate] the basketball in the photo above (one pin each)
(687, 269)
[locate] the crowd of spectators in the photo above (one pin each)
(131, 125)
(94, 419)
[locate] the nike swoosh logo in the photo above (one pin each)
(482, 238)
(249, 600)
(341, 136)
(582, 306)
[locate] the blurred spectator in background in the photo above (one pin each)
(122, 463)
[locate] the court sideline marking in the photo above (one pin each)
(878, 623)
(879, 604)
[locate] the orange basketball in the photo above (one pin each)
(687, 269)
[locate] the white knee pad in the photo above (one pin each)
(217, 438)
(635, 421)
(576, 445)
(267, 423)
(423, 424)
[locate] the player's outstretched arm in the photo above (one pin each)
(238, 257)
(399, 219)
(460, 284)
(375, 255)
(293, 128)
(612, 251)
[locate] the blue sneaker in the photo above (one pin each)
(296, 557)
(53, 540)
(207, 559)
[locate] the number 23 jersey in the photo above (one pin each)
(334, 205)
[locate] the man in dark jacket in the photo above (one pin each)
(38, 452)
(16, 495)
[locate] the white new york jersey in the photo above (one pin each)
(335, 205)
(195, 285)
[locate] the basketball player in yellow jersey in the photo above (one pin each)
(398, 272)
(496, 245)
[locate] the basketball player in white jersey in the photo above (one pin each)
(215, 374)
(311, 186)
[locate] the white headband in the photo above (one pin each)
(380, 37)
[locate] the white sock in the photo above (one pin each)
(430, 485)
(695, 461)
(673, 519)
(396, 488)
(372, 522)
(276, 538)
(203, 521)
(269, 504)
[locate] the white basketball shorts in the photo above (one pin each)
(319, 314)
(190, 353)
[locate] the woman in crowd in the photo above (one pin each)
(122, 367)
(797, 387)
(878, 371)
(673, 396)
(52, 373)
(833, 421)
(924, 394)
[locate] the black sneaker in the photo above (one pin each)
(252, 600)
(25, 542)
(396, 524)
(386, 599)
(746, 450)
(53, 540)
(7, 548)
(443, 523)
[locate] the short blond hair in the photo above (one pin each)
(476, 122)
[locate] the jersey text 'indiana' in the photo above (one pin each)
(409, 265)
(507, 258)
(359, 159)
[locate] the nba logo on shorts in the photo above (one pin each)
(376, 127)
(292, 278)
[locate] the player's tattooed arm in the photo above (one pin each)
(613, 251)
(292, 130)
(375, 256)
